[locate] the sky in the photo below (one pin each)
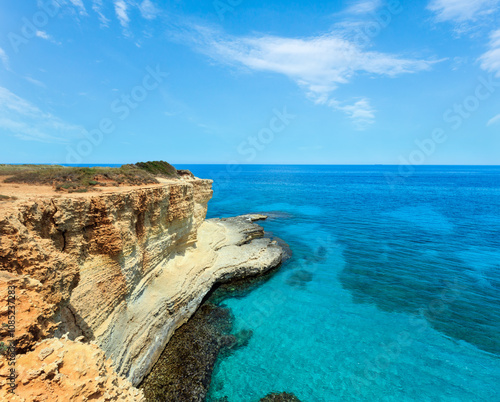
(250, 81)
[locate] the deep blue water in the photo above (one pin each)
(392, 293)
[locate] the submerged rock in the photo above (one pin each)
(282, 397)
(184, 369)
(299, 278)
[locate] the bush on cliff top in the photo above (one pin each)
(158, 168)
(80, 179)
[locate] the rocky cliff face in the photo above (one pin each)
(123, 269)
(104, 243)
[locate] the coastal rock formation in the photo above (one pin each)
(137, 330)
(122, 269)
(63, 370)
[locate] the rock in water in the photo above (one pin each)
(184, 369)
(282, 397)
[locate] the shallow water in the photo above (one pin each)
(392, 293)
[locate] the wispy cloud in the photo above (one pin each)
(364, 7)
(79, 4)
(97, 7)
(24, 120)
(4, 58)
(43, 35)
(361, 112)
(121, 8)
(494, 120)
(46, 36)
(461, 10)
(317, 64)
(490, 61)
(34, 81)
(148, 9)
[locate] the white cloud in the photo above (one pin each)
(121, 12)
(490, 61)
(79, 4)
(148, 9)
(494, 120)
(34, 81)
(24, 120)
(461, 10)
(364, 7)
(317, 64)
(97, 7)
(4, 58)
(43, 35)
(361, 112)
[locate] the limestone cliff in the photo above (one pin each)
(121, 269)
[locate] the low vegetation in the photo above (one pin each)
(6, 198)
(7, 170)
(158, 168)
(81, 179)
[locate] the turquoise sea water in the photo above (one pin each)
(392, 293)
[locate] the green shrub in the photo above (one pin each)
(158, 168)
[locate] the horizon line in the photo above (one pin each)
(252, 164)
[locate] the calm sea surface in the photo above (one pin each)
(392, 293)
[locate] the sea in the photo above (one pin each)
(392, 292)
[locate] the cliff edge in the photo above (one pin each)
(112, 274)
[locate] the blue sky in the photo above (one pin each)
(250, 81)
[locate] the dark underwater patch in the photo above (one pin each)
(299, 278)
(411, 270)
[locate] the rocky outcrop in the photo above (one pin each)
(121, 269)
(63, 370)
